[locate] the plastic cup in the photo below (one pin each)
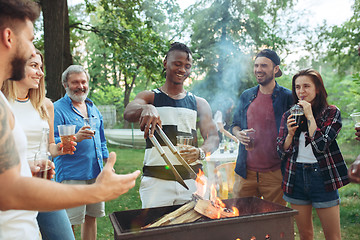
(67, 133)
(222, 147)
(231, 147)
(184, 142)
(356, 117)
(297, 111)
(251, 134)
(91, 122)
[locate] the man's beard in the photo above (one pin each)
(17, 69)
(75, 97)
(266, 81)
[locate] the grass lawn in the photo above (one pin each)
(129, 160)
(350, 203)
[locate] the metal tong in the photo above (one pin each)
(173, 149)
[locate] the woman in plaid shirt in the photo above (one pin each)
(313, 165)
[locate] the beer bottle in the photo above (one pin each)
(43, 156)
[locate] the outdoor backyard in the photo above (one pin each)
(129, 160)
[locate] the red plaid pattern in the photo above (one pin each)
(325, 149)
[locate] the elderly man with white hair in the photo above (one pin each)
(86, 163)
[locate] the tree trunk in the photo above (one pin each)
(68, 60)
(54, 12)
(129, 87)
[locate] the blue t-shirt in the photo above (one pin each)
(87, 161)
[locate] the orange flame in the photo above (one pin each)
(207, 156)
(220, 204)
(235, 211)
(201, 184)
(199, 175)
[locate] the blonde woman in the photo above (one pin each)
(34, 112)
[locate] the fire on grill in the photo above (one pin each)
(213, 219)
(198, 207)
(258, 219)
(194, 210)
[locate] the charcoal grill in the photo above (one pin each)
(257, 218)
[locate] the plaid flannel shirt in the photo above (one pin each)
(325, 149)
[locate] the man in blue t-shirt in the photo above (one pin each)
(85, 164)
(261, 108)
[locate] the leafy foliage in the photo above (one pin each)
(339, 44)
(122, 49)
(226, 34)
(334, 51)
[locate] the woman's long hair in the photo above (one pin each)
(320, 101)
(36, 96)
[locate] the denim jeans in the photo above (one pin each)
(55, 225)
(309, 188)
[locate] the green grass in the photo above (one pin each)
(350, 202)
(129, 160)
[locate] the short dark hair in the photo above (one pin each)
(17, 9)
(272, 55)
(176, 46)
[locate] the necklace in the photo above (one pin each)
(22, 99)
(170, 95)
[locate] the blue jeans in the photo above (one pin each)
(309, 188)
(55, 225)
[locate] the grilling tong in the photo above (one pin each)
(174, 150)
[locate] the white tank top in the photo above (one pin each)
(305, 154)
(32, 124)
(19, 224)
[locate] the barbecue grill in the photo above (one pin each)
(258, 219)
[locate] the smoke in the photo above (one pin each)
(224, 82)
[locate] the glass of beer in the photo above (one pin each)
(67, 133)
(251, 134)
(184, 142)
(297, 111)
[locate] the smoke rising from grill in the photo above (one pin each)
(224, 81)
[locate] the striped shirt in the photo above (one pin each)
(324, 147)
(178, 117)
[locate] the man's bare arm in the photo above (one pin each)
(31, 193)
(142, 110)
(207, 126)
(134, 109)
(9, 157)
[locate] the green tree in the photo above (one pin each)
(164, 17)
(122, 50)
(334, 51)
(339, 44)
(225, 34)
(56, 44)
(133, 45)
